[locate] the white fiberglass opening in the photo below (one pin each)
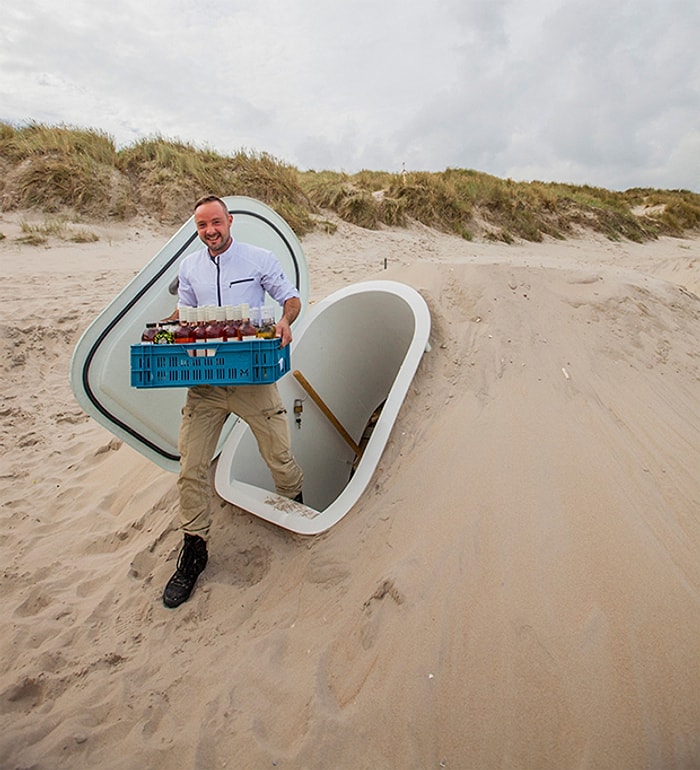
(357, 351)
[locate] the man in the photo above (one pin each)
(227, 272)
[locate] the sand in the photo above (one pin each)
(519, 587)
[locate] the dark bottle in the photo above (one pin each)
(247, 330)
(199, 329)
(214, 331)
(149, 333)
(183, 334)
(232, 323)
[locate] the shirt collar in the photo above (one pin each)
(217, 258)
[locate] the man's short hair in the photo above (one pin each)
(210, 199)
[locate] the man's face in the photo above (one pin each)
(213, 226)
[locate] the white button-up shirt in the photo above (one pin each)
(241, 274)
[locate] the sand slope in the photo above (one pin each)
(518, 588)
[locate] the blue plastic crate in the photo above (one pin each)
(204, 363)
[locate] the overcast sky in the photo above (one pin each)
(601, 92)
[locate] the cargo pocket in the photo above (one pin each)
(272, 412)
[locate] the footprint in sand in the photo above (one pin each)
(252, 565)
(33, 604)
(24, 696)
(143, 564)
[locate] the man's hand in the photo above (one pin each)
(283, 328)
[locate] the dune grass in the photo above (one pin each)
(59, 168)
(471, 203)
(57, 227)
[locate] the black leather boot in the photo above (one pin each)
(190, 563)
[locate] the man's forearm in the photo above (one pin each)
(292, 308)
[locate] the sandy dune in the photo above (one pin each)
(518, 588)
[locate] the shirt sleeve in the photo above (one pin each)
(275, 282)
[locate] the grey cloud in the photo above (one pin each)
(602, 93)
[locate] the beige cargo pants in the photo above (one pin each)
(203, 417)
